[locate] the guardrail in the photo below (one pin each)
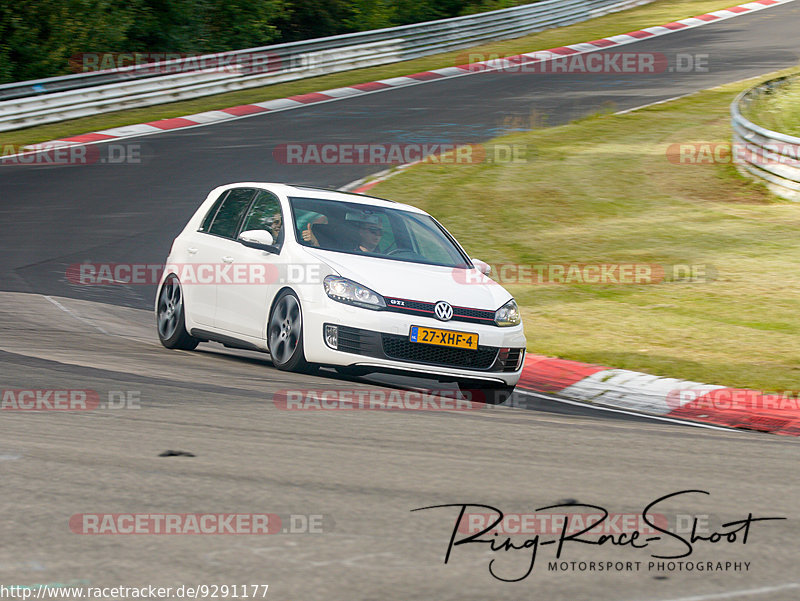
(24, 104)
(768, 156)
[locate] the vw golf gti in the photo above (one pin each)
(318, 277)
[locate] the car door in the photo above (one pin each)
(211, 250)
(243, 304)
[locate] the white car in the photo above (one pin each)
(318, 277)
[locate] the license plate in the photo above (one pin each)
(443, 337)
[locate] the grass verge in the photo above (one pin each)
(656, 13)
(779, 111)
(602, 190)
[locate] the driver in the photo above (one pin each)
(369, 229)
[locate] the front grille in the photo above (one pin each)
(412, 307)
(399, 347)
(357, 341)
(508, 359)
(481, 314)
(416, 305)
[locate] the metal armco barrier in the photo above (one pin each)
(768, 156)
(24, 104)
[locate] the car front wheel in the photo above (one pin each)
(285, 334)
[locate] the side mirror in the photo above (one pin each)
(484, 268)
(259, 239)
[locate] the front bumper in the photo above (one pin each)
(379, 340)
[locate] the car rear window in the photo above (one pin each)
(229, 215)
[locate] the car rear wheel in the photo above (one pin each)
(170, 317)
(285, 334)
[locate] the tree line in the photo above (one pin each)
(40, 38)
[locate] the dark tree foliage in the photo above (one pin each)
(41, 38)
(202, 26)
(37, 37)
(305, 19)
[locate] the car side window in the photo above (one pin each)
(266, 214)
(229, 216)
(209, 218)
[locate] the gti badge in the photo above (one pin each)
(443, 310)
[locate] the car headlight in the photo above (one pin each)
(352, 293)
(508, 314)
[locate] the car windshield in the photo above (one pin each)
(370, 230)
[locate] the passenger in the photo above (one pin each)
(275, 224)
(308, 235)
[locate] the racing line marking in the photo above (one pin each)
(649, 104)
(76, 316)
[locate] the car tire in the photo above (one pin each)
(170, 317)
(285, 334)
(490, 393)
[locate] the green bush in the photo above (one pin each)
(39, 37)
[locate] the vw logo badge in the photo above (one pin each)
(443, 311)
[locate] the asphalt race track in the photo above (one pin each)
(362, 471)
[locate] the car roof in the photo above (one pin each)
(325, 194)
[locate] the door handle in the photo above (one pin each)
(227, 259)
(191, 251)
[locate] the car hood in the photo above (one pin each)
(415, 281)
